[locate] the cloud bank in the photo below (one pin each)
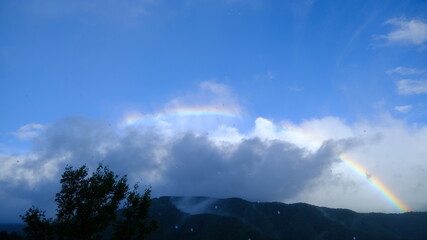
(186, 164)
(268, 161)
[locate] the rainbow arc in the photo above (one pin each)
(204, 111)
(356, 167)
(376, 183)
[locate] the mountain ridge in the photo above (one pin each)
(235, 218)
(275, 220)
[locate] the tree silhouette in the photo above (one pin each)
(38, 226)
(87, 205)
(4, 235)
(134, 224)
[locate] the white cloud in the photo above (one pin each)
(407, 32)
(209, 94)
(29, 131)
(403, 108)
(27, 168)
(408, 87)
(405, 71)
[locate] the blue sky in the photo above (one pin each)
(89, 58)
(320, 66)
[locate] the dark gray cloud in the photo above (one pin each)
(185, 164)
(254, 169)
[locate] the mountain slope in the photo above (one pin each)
(202, 218)
(208, 218)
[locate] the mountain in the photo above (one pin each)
(208, 218)
(204, 218)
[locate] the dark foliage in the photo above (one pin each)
(239, 219)
(87, 206)
(134, 223)
(4, 235)
(38, 226)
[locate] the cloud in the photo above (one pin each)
(405, 71)
(407, 32)
(193, 206)
(395, 156)
(408, 87)
(210, 94)
(267, 160)
(28, 131)
(280, 161)
(186, 164)
(403, 108)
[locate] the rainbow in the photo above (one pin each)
(356, 167)
(375, 183)
(135, 117)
